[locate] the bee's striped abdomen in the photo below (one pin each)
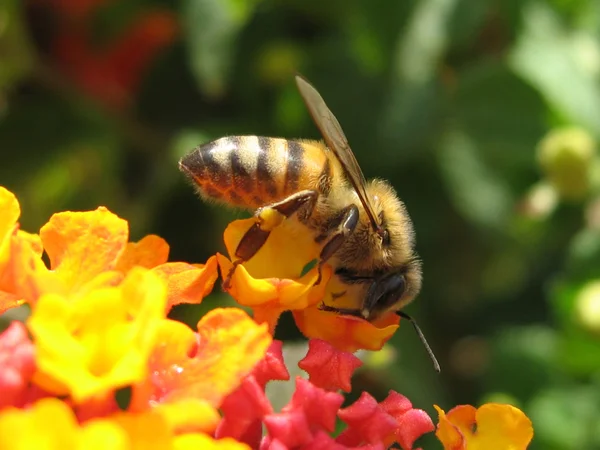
(252, 171)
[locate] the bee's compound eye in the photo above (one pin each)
(385, 238)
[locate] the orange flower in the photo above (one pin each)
(14, 244)
(271, 281)
(201, 368)
(493, 426)
(87, 251)
(346, 333)
(50, 424)
(100, 342)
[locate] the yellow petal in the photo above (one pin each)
(100, 342)
(501, 427)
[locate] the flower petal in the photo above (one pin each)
(82, 245)
(319, 405)
(190, 415)
(243, 411)
(327, 367)
(412, 423)
(17, 363)
(272, 366)
(448, 433)
(346, 333)
(284, 255)
(149, 252)
(207, 366)
(501, 426)
(188, 283)
(367, 422)
(198, 441)
(101, 341)
(290, 428)
(269, 297)
(271, 281)
(50, 424)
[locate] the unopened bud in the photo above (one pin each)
(566, 156)
(587, 306)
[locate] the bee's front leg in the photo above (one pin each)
(347, 225)
(267, 219)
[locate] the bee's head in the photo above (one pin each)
(392, 291)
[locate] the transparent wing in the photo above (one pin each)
(337, 142)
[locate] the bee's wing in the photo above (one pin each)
(337, 142)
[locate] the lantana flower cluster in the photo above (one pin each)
(98, 363)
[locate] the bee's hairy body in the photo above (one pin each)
(362, 227)
(252, 172)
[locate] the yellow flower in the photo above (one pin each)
(51, 425)
(272, 282)
(87, 250)
(203, 367)
(102, 340)
(493, 426)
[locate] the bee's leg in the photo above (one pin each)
(342, 311)
(267, 219)
(346, 226)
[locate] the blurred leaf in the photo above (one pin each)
(211, 28)
(501, 113)
(566, 417)
(548, 56)
(476, 190)
(583, 259)
(413, 102)
(468, 18)
(579, 350)
(16, 53)
(522, 360)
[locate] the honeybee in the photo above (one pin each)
(363, 228)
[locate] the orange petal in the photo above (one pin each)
(25, 276)
(346, 333)
(8, 301)
(82, 245)
(463, 418)
(150, 252)
(448, 434)
(188, 283)
(207, 366)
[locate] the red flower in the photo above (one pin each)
(329, 368)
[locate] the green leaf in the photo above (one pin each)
(566, 417)
(212, 28)
(16, 53)
(559, 63)
(479, 193)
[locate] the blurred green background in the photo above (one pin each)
(484, 114)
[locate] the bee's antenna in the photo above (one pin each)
(436, 364)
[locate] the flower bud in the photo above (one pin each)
(587, 307)
(566, 156)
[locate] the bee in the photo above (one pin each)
(363, 228)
